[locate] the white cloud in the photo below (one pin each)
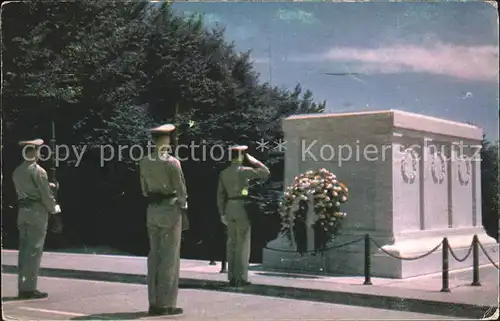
(468, 63)
(472, 63)
(260, 60)
(296, 15)
(208, 18)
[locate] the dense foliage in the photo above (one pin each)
(107, 71)
(490, 187)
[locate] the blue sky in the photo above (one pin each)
(438, 59)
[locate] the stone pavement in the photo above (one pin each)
(96, 300)
(419, 294)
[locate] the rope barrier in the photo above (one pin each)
(407, 258)
(486, 253)
(465, 257)
(314, 251)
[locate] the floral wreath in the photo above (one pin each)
(327, 194)
(407, 174)
(442, 170)
(464, 179)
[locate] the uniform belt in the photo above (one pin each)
(27, 202)
(235, 198)
(156, 198)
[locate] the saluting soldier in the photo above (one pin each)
(232, 191)
(163, 184)
(36, 201)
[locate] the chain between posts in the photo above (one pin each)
(486, 254)
(368, 257)
(466, 255)
(445, 258)
(407, 258)
(314, 251)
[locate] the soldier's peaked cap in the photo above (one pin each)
(34, 142)
(163, 129)
(239, 148)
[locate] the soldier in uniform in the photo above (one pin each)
(163, 184)
(232, 191)
(36, 201)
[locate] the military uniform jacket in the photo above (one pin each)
(32, 186)
(163, 174)
(234, 182)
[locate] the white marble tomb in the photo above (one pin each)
(412, 180)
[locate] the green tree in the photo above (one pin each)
(490, 186)
(106, 72)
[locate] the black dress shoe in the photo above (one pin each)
(241, 283)
(169, 311)
(33, 295)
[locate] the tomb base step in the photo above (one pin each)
(350, 259)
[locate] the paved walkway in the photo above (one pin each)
(95, 300)
(419, 295)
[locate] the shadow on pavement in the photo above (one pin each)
(383, 301)
(11, 298)
(211, 286)
(114, 316)
(293, 276)
(16, 298)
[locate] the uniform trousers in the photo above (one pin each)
(32, 224)
(164, 225)
(238, 241)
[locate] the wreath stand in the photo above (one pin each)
(282, 245)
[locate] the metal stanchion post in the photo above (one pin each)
(446, 267)
(368, 262)
(475, 262)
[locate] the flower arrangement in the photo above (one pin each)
(327, 194)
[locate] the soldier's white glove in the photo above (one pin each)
(56, 224)
(223, 220)
(175, 200)
(54, 187)
(252, 159)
